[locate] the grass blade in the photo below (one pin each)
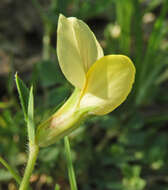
(71, 172)
(11, 170)
(138, 35)
(124, 7)
(154, 41)
(150, 63)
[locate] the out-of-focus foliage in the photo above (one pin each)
(125, 150)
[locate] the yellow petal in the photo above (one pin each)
(77, 49)
(108, 83)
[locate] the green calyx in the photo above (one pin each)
(63, 122)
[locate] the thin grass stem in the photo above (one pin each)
(71, 172)
(11, 170)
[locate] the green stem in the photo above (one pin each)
(11, 170)
(33, 152)
(71, 172)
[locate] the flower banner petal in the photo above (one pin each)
(77, 49)
(108, 83)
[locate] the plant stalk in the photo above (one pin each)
(33, 152)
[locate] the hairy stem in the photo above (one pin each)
(33, 152)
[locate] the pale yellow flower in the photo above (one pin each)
(101, 82)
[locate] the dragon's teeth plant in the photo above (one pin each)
(101, 82)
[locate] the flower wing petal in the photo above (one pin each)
(77, 49)
(108, 83)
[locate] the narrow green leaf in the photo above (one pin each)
(30, 118)
(23, 94)
(124, 7)
(155, 39)
(137, 30)
(151, 56)
(138, 42)
(71, 172)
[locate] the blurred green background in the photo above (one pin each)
(125, 150)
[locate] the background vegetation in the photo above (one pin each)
(125, 150)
